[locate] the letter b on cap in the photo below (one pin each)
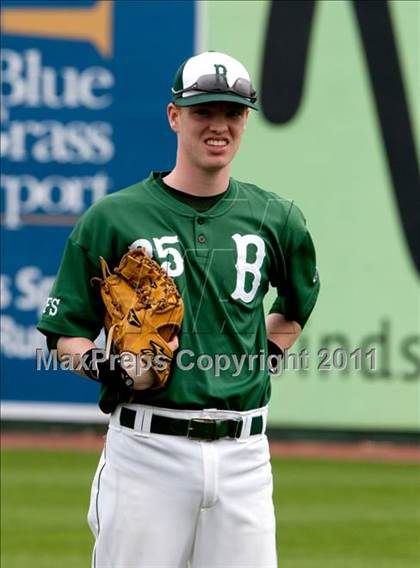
(220, 69)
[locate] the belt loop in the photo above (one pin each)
(246, 427)
(265, 419)
(145, 420)
(114, 419)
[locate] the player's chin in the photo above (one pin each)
(217, 161)
(215, 165)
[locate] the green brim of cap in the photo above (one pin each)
(210, 98)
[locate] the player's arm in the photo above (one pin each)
(73, 348)
(80, 351)
(282, 332)
(297, 283)
(86, 361)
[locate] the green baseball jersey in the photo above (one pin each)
(223, 261)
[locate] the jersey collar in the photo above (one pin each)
(220, 208)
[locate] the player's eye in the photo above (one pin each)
(202, 112)
(234, 113)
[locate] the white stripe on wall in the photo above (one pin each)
(52, 412)
(201, 37)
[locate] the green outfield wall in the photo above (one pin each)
(345, 155)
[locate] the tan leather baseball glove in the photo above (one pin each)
(144, 311)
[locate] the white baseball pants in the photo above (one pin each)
(163, 501)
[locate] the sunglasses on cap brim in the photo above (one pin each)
(218, 84)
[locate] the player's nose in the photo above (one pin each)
(218, 125)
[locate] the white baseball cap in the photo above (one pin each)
(213, 76)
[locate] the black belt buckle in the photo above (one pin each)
(202, 429)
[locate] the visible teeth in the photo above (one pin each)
(216, 142)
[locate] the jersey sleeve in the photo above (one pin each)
(74, 307)
(297, 281)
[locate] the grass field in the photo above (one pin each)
(329, 514)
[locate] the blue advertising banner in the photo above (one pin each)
(83, 113)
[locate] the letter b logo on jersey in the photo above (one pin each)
(244, 267)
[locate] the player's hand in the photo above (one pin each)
(142, 375)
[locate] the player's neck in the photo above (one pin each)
(196, 181)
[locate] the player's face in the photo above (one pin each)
(209, 134)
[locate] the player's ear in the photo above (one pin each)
(246, 116)
(173, 116)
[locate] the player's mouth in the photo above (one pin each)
(216, 146)
(216, 142)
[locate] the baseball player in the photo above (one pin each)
(184, 478)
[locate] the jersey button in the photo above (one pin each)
(201, 239)
(200, 220)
